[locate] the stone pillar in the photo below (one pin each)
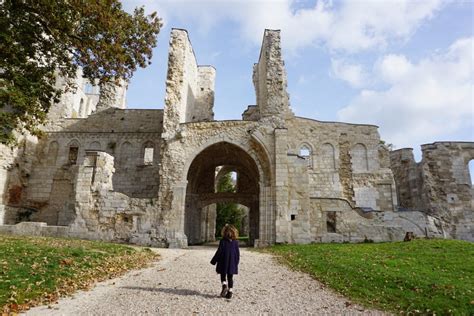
(269, 78)
(203, 109)
(281, 185)
(208, 214)
(82, 189)
(267, 217)
(175, 235)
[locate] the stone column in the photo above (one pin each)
(267, 217)
(82, 189)
(281, 185)
(175, 235)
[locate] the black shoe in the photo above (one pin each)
(228, 295)
(224, 290)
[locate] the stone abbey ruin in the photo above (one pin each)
(148, 176)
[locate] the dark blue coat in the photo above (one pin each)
(227, 257)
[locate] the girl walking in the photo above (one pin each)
(227, 258)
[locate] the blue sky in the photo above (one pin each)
(404, 65)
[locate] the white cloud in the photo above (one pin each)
(361, 25)
(349, 26)
(393, 68)
(425, 100)
(353, 74)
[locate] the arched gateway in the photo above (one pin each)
(201, 190)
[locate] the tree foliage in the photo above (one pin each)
(42, 39)
(228, 213)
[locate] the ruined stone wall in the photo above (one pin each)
(16, 165)
(446, 180)
(202, 110)
(100, 213)
(344, 162)
(439, 185)
(112, 95)
(269, 78)
(78, 103)
(189, 88)
(87, 97)
(124, 134)
(334, 220)
(252, 113)
(408, 177)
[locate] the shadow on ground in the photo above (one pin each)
(182, 292)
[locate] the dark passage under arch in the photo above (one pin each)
(201, 192)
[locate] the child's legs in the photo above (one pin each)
(230, 280)
(223, 278)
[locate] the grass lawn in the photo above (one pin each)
(37, 270)
(417, 277)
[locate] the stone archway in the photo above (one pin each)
(200, 192)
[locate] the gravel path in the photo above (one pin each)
(184, 282)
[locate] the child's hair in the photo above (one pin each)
(229, 232)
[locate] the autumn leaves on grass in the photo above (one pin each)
(38, 270)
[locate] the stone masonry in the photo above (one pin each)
(148, 177)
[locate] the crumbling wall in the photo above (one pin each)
(16, 166)
(335, 220)
(408, 177)
(87, 97)
(189, 87)
(252, 113)
(108, 215)
(269, 78)
(345, 162)
(446, 179)
(124, 134)
(203, 108)
(439, 185)
(77, 103)
(112, 95)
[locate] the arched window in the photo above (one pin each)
(148, 152)
(359, 159)
(73, 152)
(328, 159)
(53, 153)
(306, 153)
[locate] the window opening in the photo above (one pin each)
(331, 222)
(73, 152)
(305, 152)
(148, 156)
(226, 181)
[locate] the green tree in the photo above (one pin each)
(228, 213)
(43, 39)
